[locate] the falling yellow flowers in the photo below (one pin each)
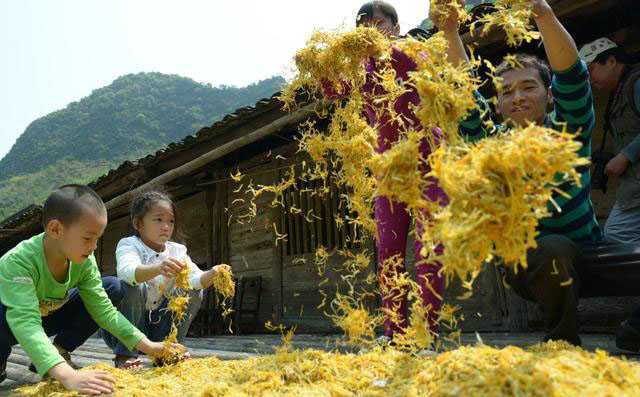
(499, 189)
(514, 16)
(223, 281)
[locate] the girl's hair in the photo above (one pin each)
(366, 12)
(143, 203)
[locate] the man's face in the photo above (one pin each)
(79, 240)
(524, 97)
(603, 75)
(384, 24)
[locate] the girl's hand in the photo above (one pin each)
(219, 268)
(170, 267)
(158, 349)
(208, 276)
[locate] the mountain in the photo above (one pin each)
(135, 115)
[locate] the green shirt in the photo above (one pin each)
(573, 110)
(29, 291)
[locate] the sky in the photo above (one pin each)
(54, 52)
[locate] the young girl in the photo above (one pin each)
(392, 218)
(148, 263)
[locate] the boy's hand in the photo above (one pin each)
(170, 267)
(92, 383)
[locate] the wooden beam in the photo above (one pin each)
(219, 152)
(562, 8)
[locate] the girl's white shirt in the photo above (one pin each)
(131, 252)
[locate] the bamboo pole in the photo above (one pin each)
(218, 152)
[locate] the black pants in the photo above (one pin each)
(71, 324)
(546, 282)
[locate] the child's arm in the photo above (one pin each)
(131, 270)
(103, 312)
(208, 276)
(199, 279)
(18, 292)
(17, 289)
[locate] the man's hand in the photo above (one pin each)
(561, 50)
(541, 9)
(617, 166)
(446, 16)
(93, 383)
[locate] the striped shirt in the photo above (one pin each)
(573, 107)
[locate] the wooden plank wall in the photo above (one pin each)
(116, 230)
(252, 239)
(193, 220)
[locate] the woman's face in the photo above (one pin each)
(383, 23)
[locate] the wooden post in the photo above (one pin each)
(278, 253)
(212, 223)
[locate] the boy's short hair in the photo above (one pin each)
(524, 61)
(69, 202)
(365, 14)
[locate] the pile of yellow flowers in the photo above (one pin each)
(551, 369)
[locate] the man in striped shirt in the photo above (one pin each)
(525, 93)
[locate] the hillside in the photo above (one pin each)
(135, 115)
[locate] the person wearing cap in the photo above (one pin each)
(528, 88)
(612, 71)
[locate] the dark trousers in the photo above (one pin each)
(71, 324)
(545, 281)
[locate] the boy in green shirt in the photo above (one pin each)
(51, 285)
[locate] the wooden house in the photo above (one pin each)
(211, 208)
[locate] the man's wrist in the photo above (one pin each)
(544, 14)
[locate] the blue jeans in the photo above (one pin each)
(71, 324)
(623, 226)
(155, 324)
